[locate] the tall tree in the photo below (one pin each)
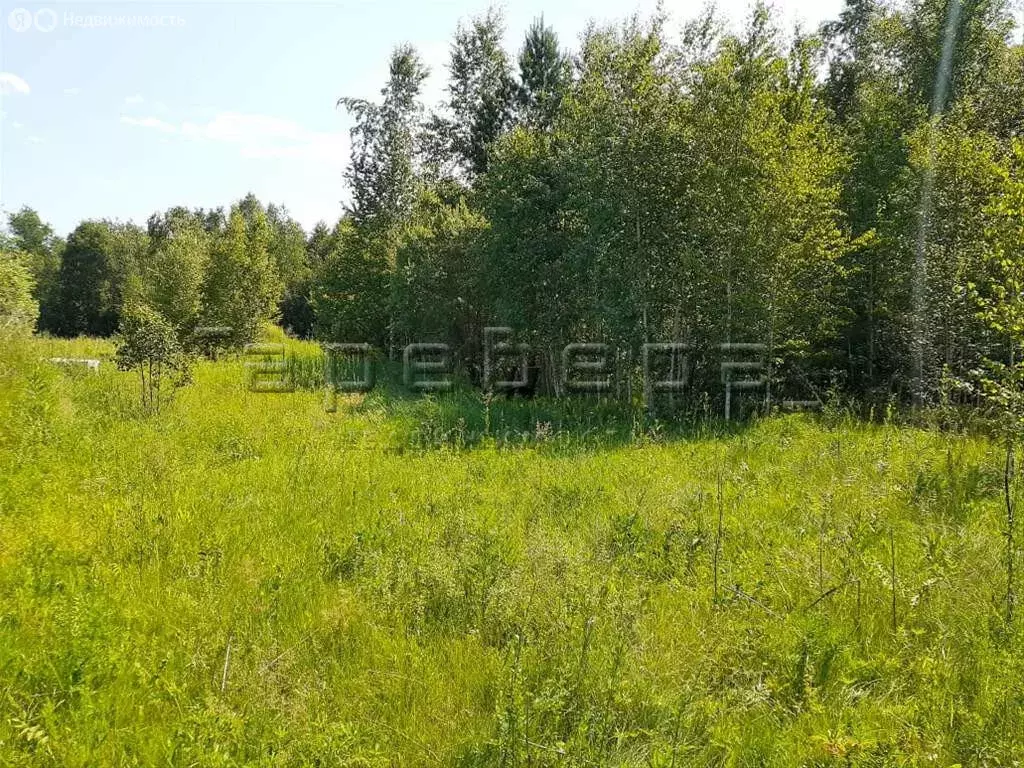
(321, 244)
(381, 173)
(241, 287)
(352, 291)
(175, 267)
(354, 302)
(868, 95)
(42, 249)
(99, 271)
(960, 169)
(623, 170)
(851, 43)
(481, 96)
(950, 49)
(288, 249)
(544, 76)
(438, 278)
(764, 200)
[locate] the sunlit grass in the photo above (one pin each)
(248, 579)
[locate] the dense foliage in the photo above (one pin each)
(18, 308)
(828, 195)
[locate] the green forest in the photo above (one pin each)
(852, 197)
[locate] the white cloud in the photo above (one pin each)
(72, 91)
(17, 125)
(256, 136)
(11, 83)
(236, 127)
(35, 139)
(149, 122)
(136, 99)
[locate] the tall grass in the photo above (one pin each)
(247, 579)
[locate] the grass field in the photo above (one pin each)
(247, 579)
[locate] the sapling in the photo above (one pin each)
(147, 344)
(1001, 384)
(1000, 378)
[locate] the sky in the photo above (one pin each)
(117, 110)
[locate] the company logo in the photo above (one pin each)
(20, 20)
(46, 20)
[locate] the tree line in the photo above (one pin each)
(194, 267)
(853, 198)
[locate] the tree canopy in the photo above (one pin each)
(829, 195)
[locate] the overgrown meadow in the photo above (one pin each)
(249, 579)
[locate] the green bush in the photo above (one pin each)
(18, 309)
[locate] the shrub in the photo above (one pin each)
(148, 344)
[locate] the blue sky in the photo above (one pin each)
(198, 103)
